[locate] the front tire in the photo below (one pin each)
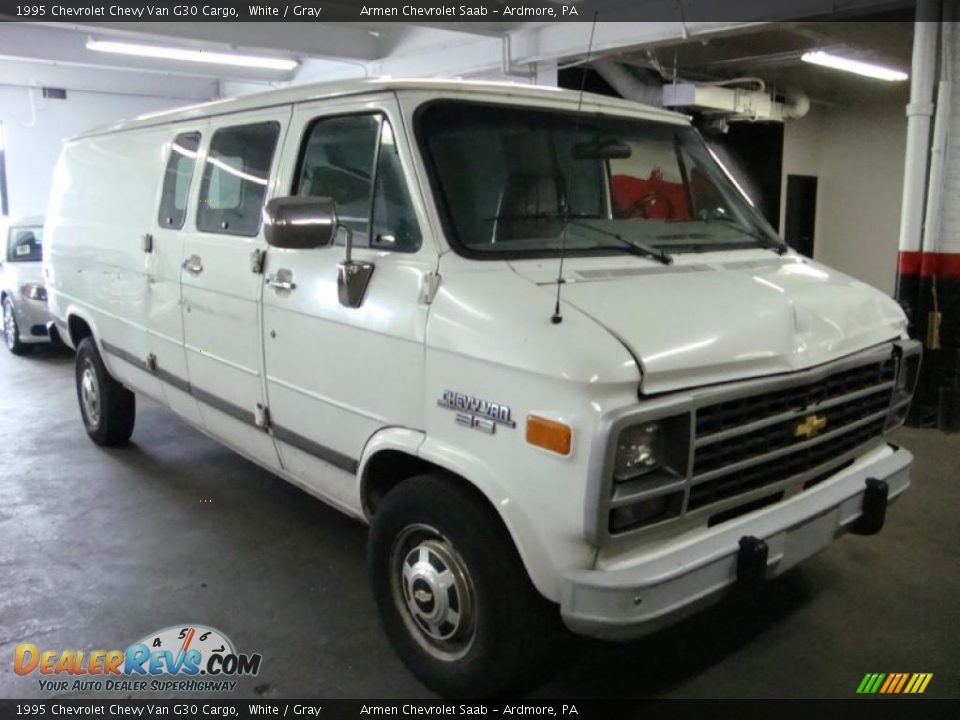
(11, 331)
(453, 595)
(108, 409)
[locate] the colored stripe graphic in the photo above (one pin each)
(894, 683)
(928, 264)
(903, 679)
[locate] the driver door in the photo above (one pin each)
(336, 374)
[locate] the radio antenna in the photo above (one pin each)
(557, 317)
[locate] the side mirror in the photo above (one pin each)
(300, 223)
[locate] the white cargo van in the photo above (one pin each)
(543, 344)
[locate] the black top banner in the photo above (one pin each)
(426, 11)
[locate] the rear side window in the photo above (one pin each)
(176, 180)
(235, 178)
(25, 244)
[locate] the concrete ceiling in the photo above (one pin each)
(55, 54)
(773, 54)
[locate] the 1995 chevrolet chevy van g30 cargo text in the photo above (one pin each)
(355, 285)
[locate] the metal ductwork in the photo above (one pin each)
(627, 84)
(722, 101)
(796, 104)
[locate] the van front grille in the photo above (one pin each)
(774, 471)
(742, 411)
(751, 442)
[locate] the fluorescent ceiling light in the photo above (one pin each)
(819, 57)
(188, 55)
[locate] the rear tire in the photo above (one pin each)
(453, 595)
(107, 408)
(11, 330)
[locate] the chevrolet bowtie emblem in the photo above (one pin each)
(810, 426)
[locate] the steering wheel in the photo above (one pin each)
(652, 206)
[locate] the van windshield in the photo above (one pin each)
(25, 244)
(521, 182)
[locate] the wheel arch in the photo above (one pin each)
(397, 454)
(79, 326)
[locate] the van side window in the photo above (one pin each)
(235, 178)
(393, 215)
(354, 161)
(176, 180)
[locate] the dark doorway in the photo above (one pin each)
(753, 153)
(800, 218)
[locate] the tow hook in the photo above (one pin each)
(874, 513)
(752, 562)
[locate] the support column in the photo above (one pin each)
(919, 112)
(938, 305)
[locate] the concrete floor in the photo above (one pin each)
(99, 547)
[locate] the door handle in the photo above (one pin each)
(281, 280)
(193, 265)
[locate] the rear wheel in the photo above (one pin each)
(108, 409)
(453, 596)
(11, 331)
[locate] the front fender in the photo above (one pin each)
(536, 557)
(533, 552)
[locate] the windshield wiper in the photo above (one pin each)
(778, 247)
(632, 247)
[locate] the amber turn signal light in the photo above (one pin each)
(549, 434)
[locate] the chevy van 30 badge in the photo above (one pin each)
(475, 413)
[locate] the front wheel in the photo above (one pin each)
(452, 594)
(11, 331)
(108, 409)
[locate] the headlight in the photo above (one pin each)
(639, 451)
(33, 291)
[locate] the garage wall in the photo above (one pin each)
(856, 150)
(32, 137)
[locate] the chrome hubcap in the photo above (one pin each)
(9, 324)
(90, 393)
(433, 592)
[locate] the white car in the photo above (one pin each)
(540, 342)
(22, 291)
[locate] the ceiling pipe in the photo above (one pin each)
(627, 84)
(796, 104)
(506, 60)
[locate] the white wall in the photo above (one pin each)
(32, 135)
(856, 149)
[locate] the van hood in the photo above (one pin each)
(720, 316)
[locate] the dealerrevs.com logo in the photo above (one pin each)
(182, 658)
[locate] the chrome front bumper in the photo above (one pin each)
(656, 589)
